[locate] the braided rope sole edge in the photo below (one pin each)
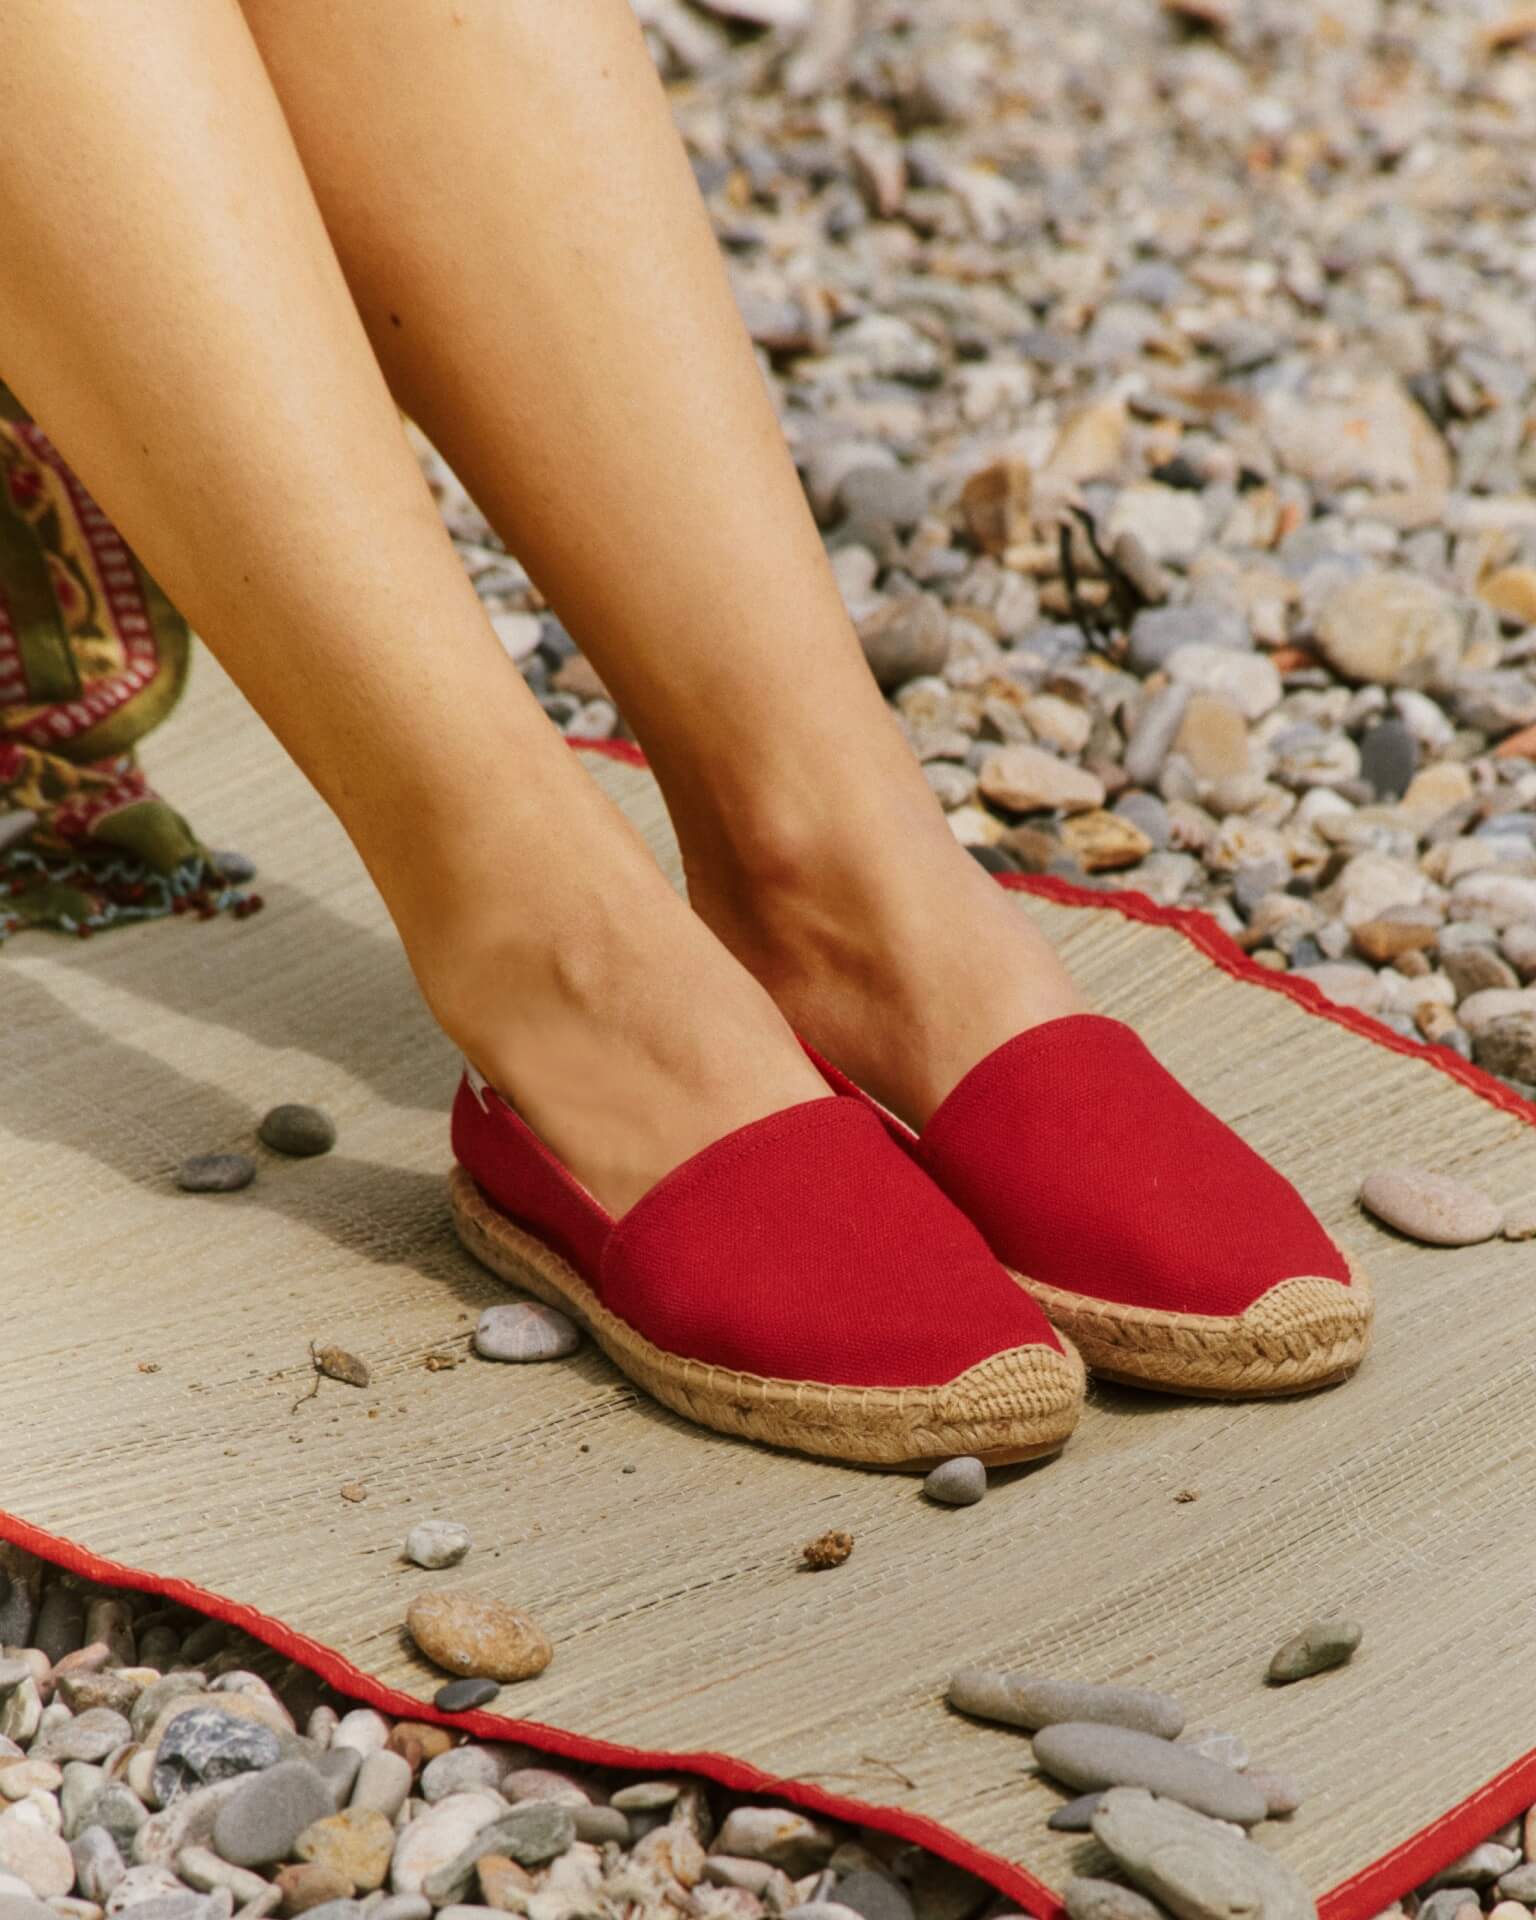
(1303, 1333)
(1018, 1405)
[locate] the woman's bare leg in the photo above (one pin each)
(517, 219)
(172, 312)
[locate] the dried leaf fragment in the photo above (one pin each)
(827, 1550)
(337, 1364)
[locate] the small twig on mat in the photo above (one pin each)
(314, 1385)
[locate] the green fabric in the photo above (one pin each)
(92, 656)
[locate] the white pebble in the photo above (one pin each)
(525, 1330)
(437, 1543)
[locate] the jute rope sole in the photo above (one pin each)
(1305, 1333)
(1018, 1405)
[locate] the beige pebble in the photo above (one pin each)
(473, 1633)
(1430, 1207)
(356, 1843)
(1519, 1224)
(1029, 779)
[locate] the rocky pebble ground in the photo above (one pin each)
(157, 1761)
(1161, 376)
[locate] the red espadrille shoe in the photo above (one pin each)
(1151, 1233)
(798, 1281)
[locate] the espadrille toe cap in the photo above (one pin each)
(1302, 1333)
(1148, 1229)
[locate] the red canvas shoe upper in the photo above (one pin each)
(1089, 1167)
(801, 1246)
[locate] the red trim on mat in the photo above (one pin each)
(1219, 947)
(1361, 1897)
(719, 1767)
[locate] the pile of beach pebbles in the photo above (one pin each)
(156, 1760)
(1161, 378)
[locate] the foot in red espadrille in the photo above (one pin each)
(1170, 1252)
(799, 1281)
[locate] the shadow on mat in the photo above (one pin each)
(356, 1013)
(387, 1215)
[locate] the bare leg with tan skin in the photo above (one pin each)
(528, 250)
(173, 313)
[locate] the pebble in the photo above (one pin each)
(1028, 780)
(216, 1173)
(33, 1854)
(1088, 1755)
(1317, 1647)
(1391, 629)
(1087, 1899)
(777, 1835)
(202, 1868)
(599, 1825)
(205, 1744)
(339, 1771)
(1519, 1221)
(297, 1130)
(466, 1769)
(91, 1735)
(383, 1783)
(530, 1835)
(957, 1483)
(458, 1696)
(905, 639)
(1076, 1816)
(544, 1783)
(1280, 1790)
(262, 1819)
(1430, 1207)
(363, 1730)
(525, 1330)
(644, 1796)
(356, 1843)
(305, 1886)
(473, 1634)
(437, 1838)
(1506, 1045)
(1028, 1700)
(402, 1906)
(873, 1895)
(99, 1866)
(1158, 632)
(437, 1543)
(1389, 756)
(1194, 1866)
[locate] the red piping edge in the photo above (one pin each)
(1360, 1897)
(341, 1674)
(1218, 946)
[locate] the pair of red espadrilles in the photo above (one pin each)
(825, 1279)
